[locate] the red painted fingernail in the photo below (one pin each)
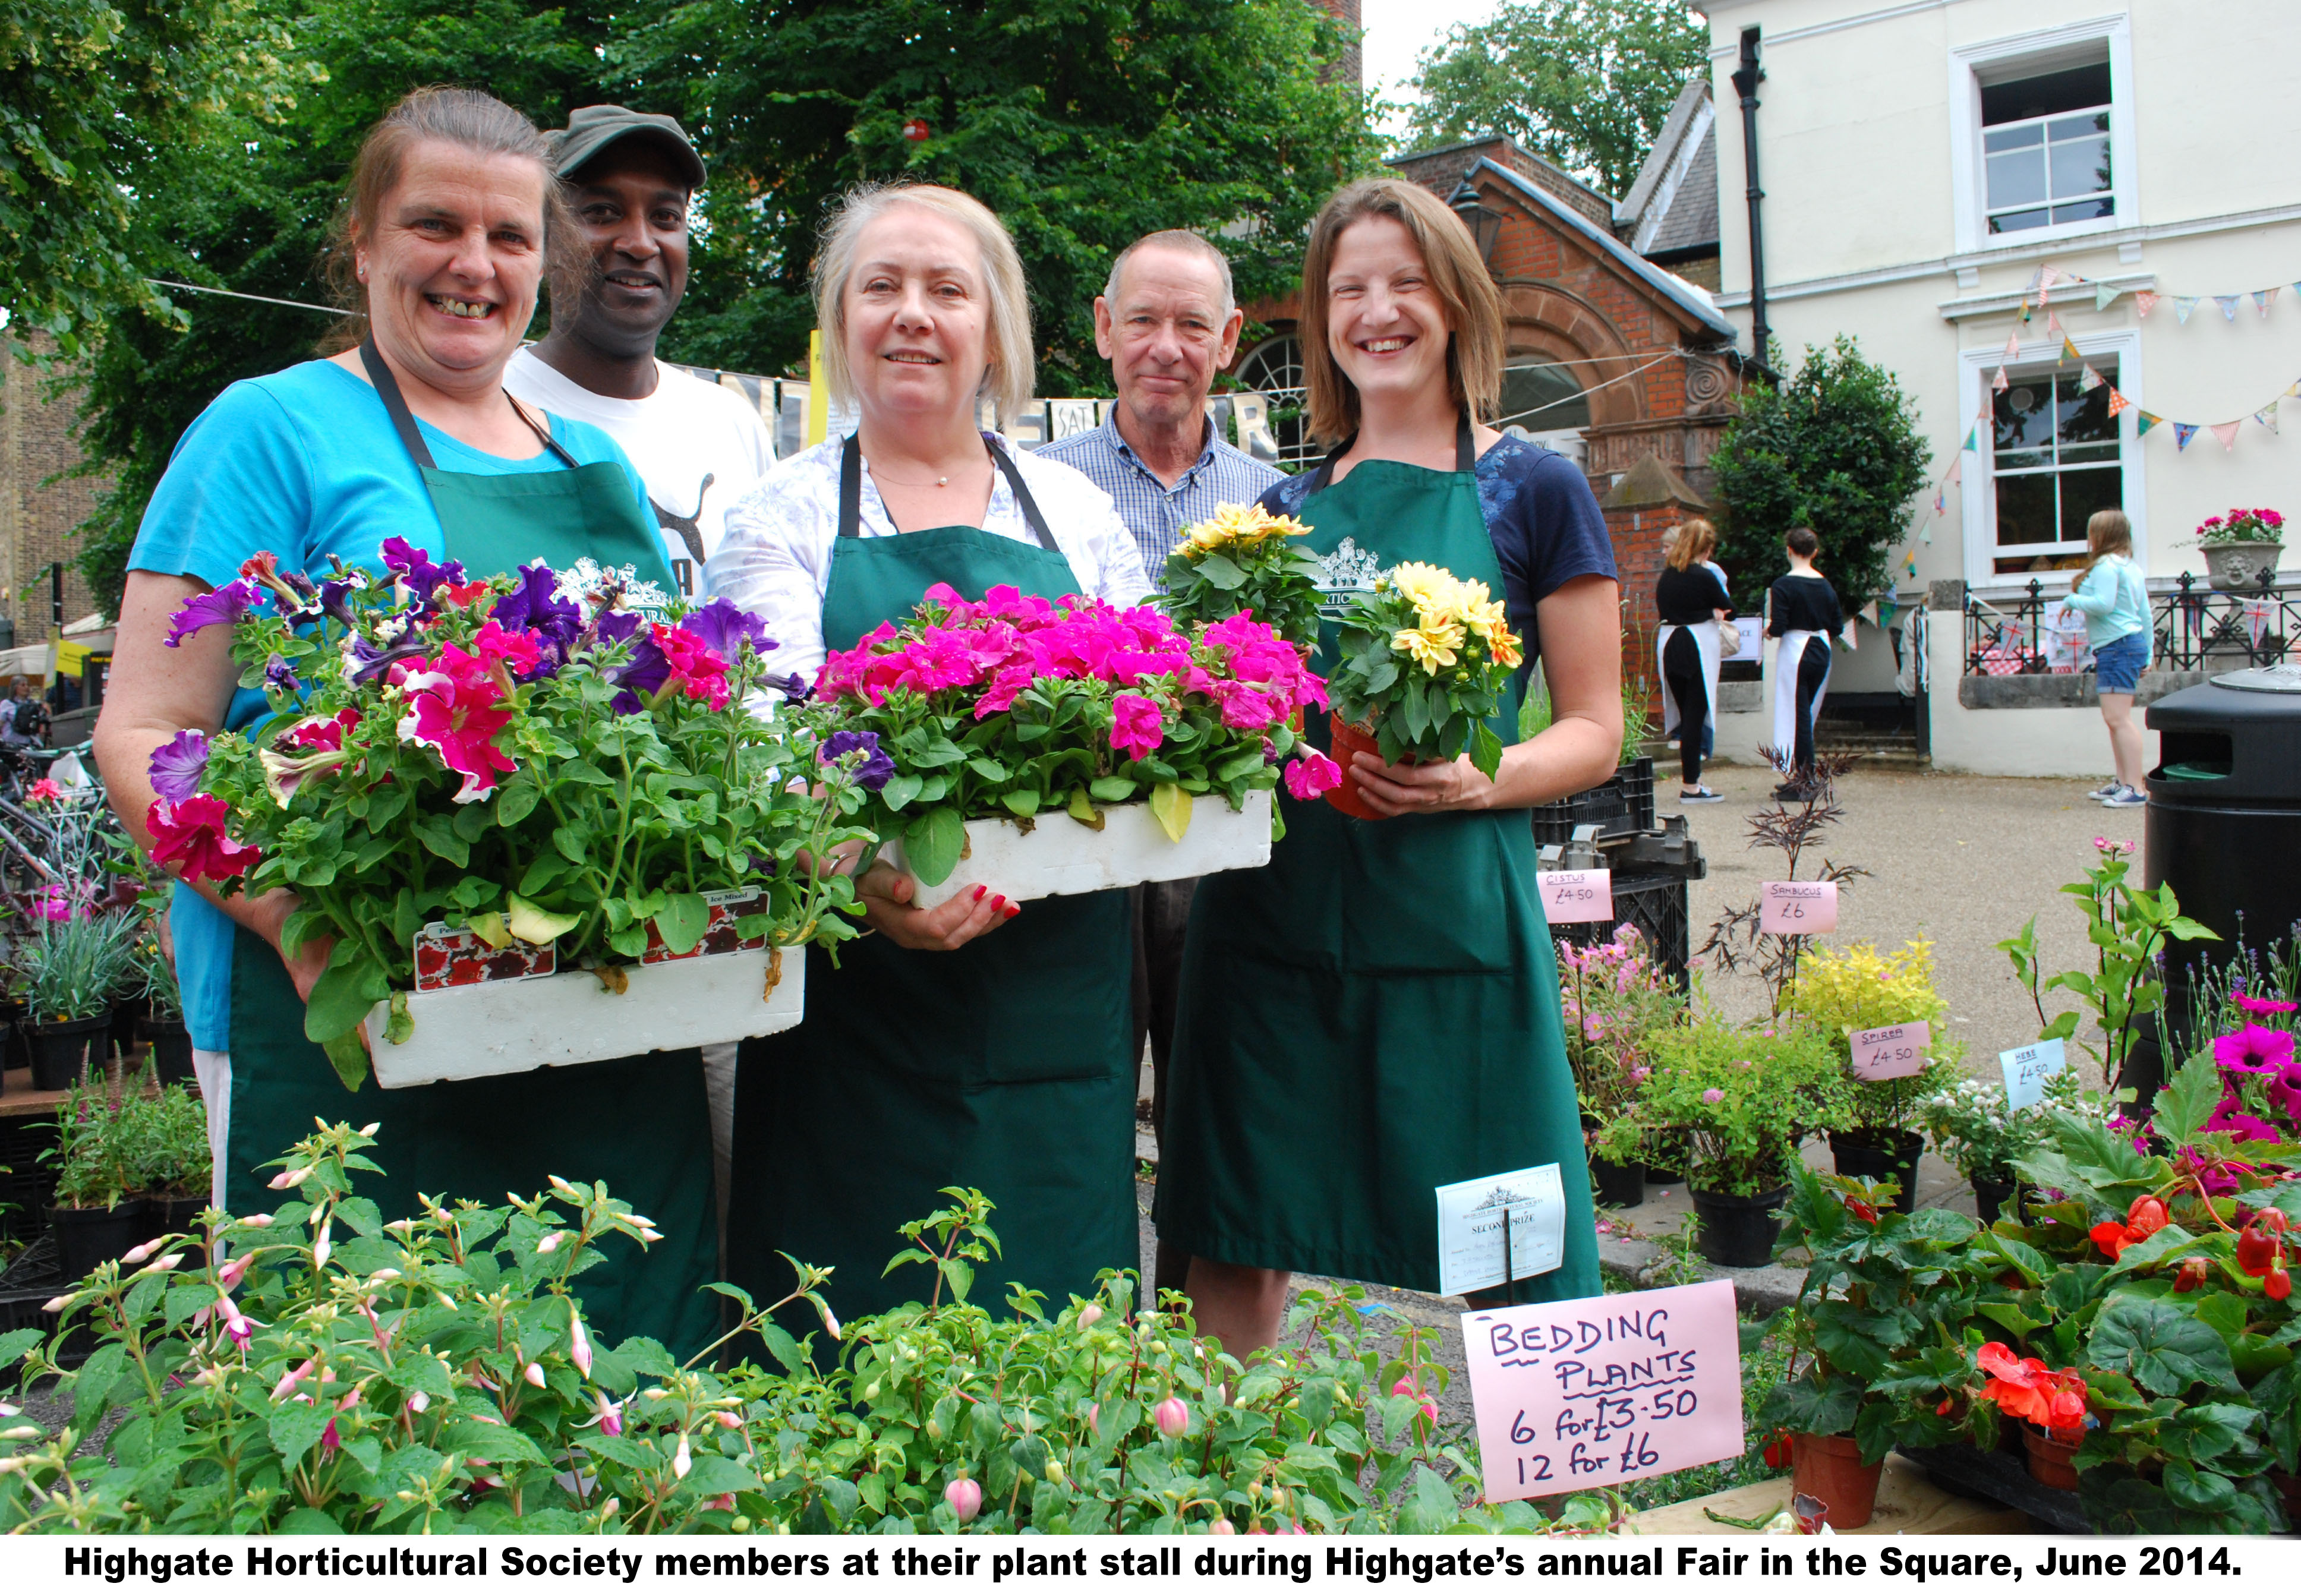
(979, 892)
(1014, 909)
(999, 902)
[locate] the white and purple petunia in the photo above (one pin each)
(227, 606)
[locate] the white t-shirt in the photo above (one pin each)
(698, 447)
(776, 561)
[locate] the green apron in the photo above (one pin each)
(1007, 1065)
(641, 1125)
(1376, 1014)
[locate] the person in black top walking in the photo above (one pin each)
(1692, 601)
(1803, 612)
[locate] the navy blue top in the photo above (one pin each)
(1545, 524)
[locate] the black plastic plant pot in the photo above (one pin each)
(1739, 1233)
(1882, 1156)
(86, 1237)
(1996, 1194)
(171, 1050)
(60, 1051)
(169, 1214)
(1618, 1185)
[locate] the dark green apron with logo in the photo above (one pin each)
(1007, 1065)
(640, 1124)
(1375, 1015)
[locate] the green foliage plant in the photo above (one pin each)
(1970, 1125)
(96, 1157)
(320, 1369)
(73, 968)
(1835, 446)
(1856, 987)
(1586, 84)
(1243, 558)
(1425, 659)
(1744, 1097)
(2129, 927)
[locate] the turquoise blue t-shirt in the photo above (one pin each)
(303, 462)
(2114, 600)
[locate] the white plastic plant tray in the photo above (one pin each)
(1059, 858)
(506, 1027)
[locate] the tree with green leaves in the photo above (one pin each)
(1586, 84)
(98, 100)
(1837, 448)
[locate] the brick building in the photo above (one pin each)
(40, 508)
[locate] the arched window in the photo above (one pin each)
(1542, 397)
(1274, 368)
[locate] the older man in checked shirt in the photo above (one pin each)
(1166, 322)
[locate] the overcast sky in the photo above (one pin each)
(1398, 30)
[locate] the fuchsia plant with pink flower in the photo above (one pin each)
(1015, 704)
(555, 758)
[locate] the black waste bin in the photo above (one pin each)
(2224, 827)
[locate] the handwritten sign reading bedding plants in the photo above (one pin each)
(2027, 1069)
(1889, 1052)
(1570, 896)
(1797, 908)
(1600, 1390)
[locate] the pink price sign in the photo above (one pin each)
(1797, 908)
(1569, 897)
(1600, 1391)
(1890, 1052)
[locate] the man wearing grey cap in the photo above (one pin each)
(699, 448)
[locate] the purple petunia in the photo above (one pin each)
(227, 606)
(535, 606)
(873, 771)
(280, 675)
(415, 567)
(723, 627)
(177, 765)
(649, 670)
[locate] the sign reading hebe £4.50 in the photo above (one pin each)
(1599, 1391)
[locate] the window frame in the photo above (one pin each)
(1978, 490)
(2024, 55)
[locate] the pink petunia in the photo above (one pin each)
(696, 669)
(1137, 725)
(2261, 1006)
(456, 711)
(2254, 1050)
(190, 839)
(1312, 773)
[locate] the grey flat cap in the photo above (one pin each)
(592, 129)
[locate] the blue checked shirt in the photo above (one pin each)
(1153, 512)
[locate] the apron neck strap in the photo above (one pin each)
(1466, 452)
(850, 493)
(403, 420)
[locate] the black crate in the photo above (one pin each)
(1657, 906)
(1626, 803)
(29, 1185)
(32, 1281)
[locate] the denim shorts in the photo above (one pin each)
(2118, 665)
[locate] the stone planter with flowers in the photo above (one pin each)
(2242, 548)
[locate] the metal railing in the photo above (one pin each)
(2196, 627)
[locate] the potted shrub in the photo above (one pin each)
(1043, 748)
(2241, 547)
(1425, 662)
(165, 1028)
(537, 820)
(94, 1215)
(67, 971)
(1745, 1098)
(1614, 1000)
(1876, 1131)
(1242, 560)
(1982, 1138)
(1875, 1331)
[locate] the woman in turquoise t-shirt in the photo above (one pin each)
(409, 436)
(2111, 596)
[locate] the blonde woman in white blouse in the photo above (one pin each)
(976, 1043)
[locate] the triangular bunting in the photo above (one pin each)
(1940, 507)
(2263, 299)
(2089, 379)
(2012, 345)
(1957, 466)
(2227, 433)
(2228, 302)
(2070, 350)
(1910, 563)
(2104, 296)
(2053, 325)
(2025, 307)
(2049, 275)
(1925, 537)
(2267, 415)
(2182, 308)
(1972, 435)
(2144, 301)
(2118, 405)
(2147, 421)
(2182, 432)
(2000, 382)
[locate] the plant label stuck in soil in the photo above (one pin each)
(2027, 1069)
(1890, 1052)
(1569, 897)
(1600, 1391)
(1471, 1217)
(1797, 908)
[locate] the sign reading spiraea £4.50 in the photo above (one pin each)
(1602, 1390)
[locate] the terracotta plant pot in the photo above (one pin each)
(1882, 1156)
(2051, 1459)
(1830, 1469)
(1348, 739)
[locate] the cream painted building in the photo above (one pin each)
(1929, 164)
